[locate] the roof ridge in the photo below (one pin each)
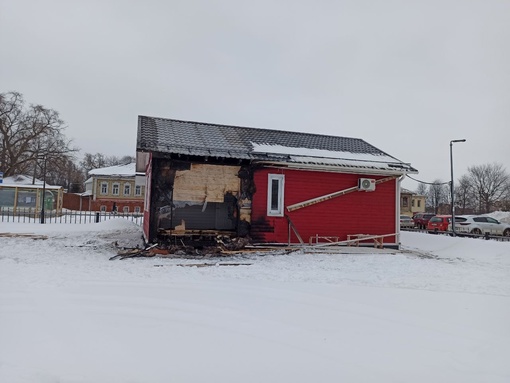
(254, 128)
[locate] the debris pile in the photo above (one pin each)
(221, 246)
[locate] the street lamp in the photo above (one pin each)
(43, 189)
(451, 185)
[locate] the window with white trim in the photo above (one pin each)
(102, 208)
(275, 186)
(115, 189)
(127, 189)
(138, 190)
(137, 209)
(104, 187)
(125, 209)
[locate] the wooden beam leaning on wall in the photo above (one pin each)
(326, 197)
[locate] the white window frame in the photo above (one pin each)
(280, 178)
(128, 186)
(125, 209)
(138, 190)
(105, 185)
(137, 209)
(102, 208)
(116, 185)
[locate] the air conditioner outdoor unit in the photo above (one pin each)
(366, 184)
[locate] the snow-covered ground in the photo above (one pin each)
(438, 311)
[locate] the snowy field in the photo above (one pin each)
(437, 311)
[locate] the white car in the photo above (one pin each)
(481, 225)
(406, 222)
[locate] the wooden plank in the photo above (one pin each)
(328, 239)
(327, 197)
(291, 225)
(355, 240)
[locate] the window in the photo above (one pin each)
(419, 203)
(137, 209)
(104, 187)
(125, 209)
(275, 187)
(138, 190)
(102, 208)
(404, 202)
(412, 202)
(127, 189)
(115, 189)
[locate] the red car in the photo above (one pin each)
(422, 219)
(438, 223)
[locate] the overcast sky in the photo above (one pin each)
(405, 76)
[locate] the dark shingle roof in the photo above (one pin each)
(204, 139)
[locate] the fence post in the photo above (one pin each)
(97, 217)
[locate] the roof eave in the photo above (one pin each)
(339, 168)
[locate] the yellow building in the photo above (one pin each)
(115, 188)
(411, 203)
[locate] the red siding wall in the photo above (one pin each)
(354, 213)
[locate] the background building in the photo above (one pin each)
(114, 187)
(21, 193)
(411, 203)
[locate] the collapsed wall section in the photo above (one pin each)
(200, 198)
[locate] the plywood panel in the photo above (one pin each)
(206, 183)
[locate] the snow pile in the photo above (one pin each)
(438, 311)
(502, 216)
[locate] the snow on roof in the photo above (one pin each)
(306, 152)
(380, 161)
(24, 180)
(117, 170)
(21, 179)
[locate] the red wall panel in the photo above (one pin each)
(353, 213)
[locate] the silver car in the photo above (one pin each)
(479, 224)
(406, 222)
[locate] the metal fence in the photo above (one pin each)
(501, 238)
(28, 215)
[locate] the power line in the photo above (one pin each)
(428, 183)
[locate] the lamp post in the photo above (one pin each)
(452, 190)
(43, 189)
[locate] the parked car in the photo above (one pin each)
(439, 223)
(406, 222)
(422, 219)
(481, 225)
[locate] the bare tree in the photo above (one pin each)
(490, 184)
(93, 161)
(464, 195)
(28, 135)
(64, 172)
(437, 194)
(99, 160)
(421, 189)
